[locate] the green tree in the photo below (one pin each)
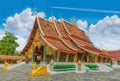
(8, 44)
(16, 53)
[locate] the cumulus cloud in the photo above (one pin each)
(41, 14)
(50, 18)
(82, 25)
(21, 24)
(21, 41)
(106, 33)
(2, 33)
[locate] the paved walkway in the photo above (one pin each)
(20, 74)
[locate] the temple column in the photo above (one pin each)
(109, 60)
(87, 58)
(101, 59)
(75, 58)
(106, 60)
(96, 59)
(92, 59)
(66, 60)
(44, 53)
(58, 55)
(82, 57)
(33, 54)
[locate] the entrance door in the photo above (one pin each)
(42, 52)
(39, 54)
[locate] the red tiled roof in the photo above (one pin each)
(48, 28)
(6, 57)
(64, 37)
(61, 29)
(114, 54)
(50, 34)
(75, 31)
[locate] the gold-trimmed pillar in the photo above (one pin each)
(96, 59)
(82, 58)
(58, 56)
(87, 58)
(75, 58)
(33, 54)
(66, 60)
(44, 53)
(101, 59)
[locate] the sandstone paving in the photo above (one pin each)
(18, 75)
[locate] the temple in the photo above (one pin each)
(11, 59)
(62, 42)
(116, 55)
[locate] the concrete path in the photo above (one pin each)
(20, 74)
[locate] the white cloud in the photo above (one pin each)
(82, 24)
(21, 24)
(41, 14)
(2, 33)
(21, 41)
(106, 33)
(50, 18)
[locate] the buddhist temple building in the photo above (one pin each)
(116, 55)
(11, 59)
(62, 42)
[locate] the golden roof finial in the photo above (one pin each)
(35, 11)
(52, 16)
(61, 16)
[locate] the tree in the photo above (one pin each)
(8, 44)
(73, 21)
(16, 53)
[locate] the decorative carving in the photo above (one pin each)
(49, 51)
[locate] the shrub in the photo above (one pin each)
(92, 66)
(61, 66)
(64, 67)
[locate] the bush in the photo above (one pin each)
(63, 67)
(92, 67)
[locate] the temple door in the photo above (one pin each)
(42, 53)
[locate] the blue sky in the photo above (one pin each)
(90, 12)
(10, 7)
